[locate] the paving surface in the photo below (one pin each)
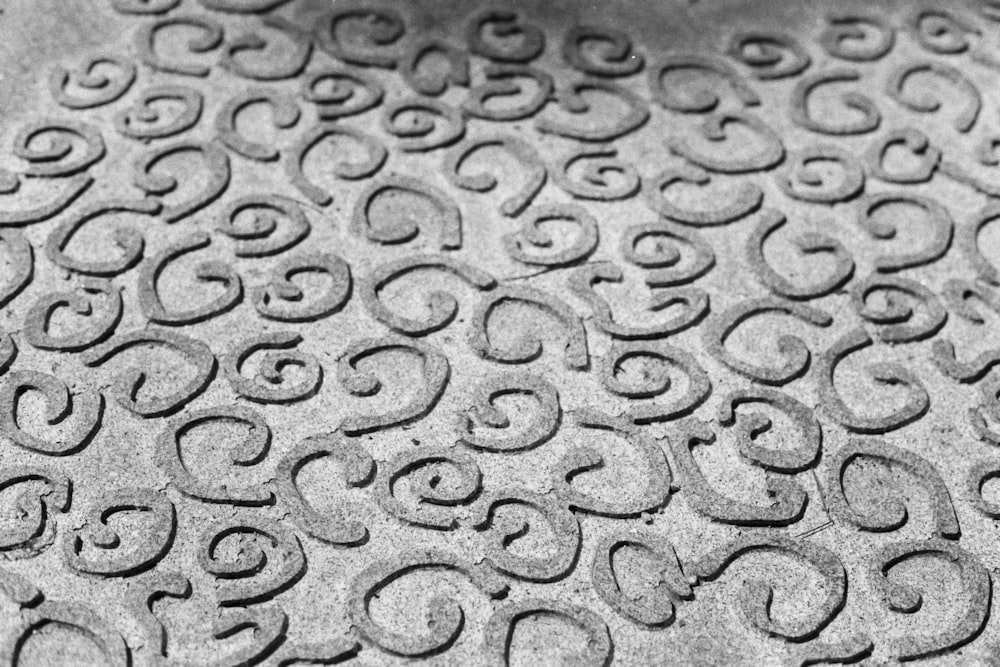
(538, 333)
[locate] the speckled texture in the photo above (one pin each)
(533, 333)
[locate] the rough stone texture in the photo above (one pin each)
(532, 333)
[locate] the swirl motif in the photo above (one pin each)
(155, 540)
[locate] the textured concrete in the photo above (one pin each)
(537, 333)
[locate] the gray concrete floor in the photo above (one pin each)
(530, 333)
